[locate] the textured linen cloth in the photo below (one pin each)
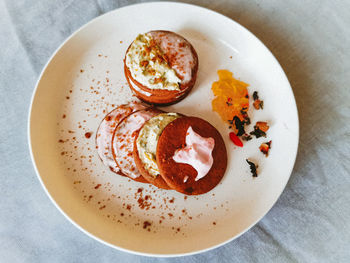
(311, 220)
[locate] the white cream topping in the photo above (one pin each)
(148, 94)
(141, 59)
(197, 153)
(179, 49)
(148, 139)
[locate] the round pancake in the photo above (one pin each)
(181, 176)
(123, 141)
(157, 181)
(156, 97)
(105, 132)
(145, 147)
(180, 56)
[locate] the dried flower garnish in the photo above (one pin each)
(258, 133)
(239, 125)
(253, 168)
(258, 104)
(231, 97)
(260, 129)
(234, 138)
(246, 137)
(265, 147)
(262, 125)
(246, 119)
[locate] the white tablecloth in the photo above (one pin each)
(311, 220)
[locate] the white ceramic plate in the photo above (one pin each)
(84, 80)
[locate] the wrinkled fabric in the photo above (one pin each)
(311, 220)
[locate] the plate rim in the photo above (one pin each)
(134, 251)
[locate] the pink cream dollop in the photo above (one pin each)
(197, 153)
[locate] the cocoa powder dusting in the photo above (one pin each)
(144, 202)
(146, 224)
(88, 135)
